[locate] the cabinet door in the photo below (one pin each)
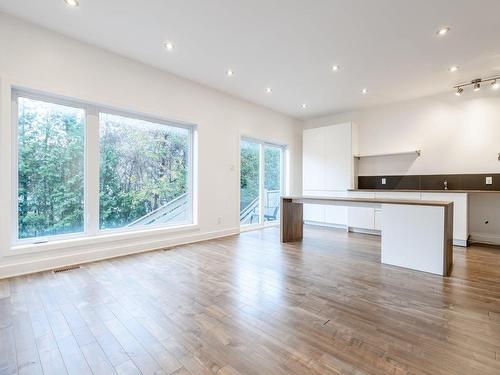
(314, 158)
(378, 220)
(361, 217)
(339, 158)
(336, 215)
(460, 212)
(314, 212)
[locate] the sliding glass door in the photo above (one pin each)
(261, 181)
(273, 181)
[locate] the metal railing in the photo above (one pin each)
(170, 211)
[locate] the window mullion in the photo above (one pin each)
(262, 167)
(92, 156)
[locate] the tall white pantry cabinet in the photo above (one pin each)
(329, 170)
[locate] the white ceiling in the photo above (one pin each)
(387, 46)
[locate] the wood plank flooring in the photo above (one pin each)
(250, 305)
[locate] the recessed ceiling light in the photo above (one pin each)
(72, 3)
(335, 68)
(453, 68)
(229, 73)
(169, 46)
(304, 106)
(443, 31)
(495, 85)
(364, 91)
(269, 90)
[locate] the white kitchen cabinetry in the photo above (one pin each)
(328, 170)
(361, 217)
(460, 213)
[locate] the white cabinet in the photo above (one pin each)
(314, 159)
(325, 214)
(328, 170)
(328, 161)
(361, 217)
(460, 213)
(378, 219)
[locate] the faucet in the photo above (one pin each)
(445, 183)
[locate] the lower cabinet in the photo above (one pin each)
(325, 214)
(460, 213)
(371, 219)
(361, 217)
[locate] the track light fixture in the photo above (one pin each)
(476, 84)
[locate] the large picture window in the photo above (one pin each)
(50, 169)
(144, 173)
(82, 169)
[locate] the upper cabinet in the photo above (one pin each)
(328, 157)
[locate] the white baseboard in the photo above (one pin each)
(462, 243)
(373, 232)
(328, 225)
(486, 238)
(107, 251)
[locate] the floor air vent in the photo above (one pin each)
(65, 269)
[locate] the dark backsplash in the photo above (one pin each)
(430, 182)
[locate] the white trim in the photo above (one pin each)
(486, 238)
(112, 249)
(103, 237)
(322, 224)
(91, 170)
(284, 175)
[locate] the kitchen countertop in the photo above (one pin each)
(426, 191)
(307, 198)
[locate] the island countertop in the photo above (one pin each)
(414, 202)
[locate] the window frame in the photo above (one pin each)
(190, 180)
(262, 165)
(91, 170)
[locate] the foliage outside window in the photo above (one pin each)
(144, 170)
(50, 169)
(143, 173)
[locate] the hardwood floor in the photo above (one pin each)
(249, 305)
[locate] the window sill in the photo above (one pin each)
(99, 239)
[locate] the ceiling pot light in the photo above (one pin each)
(72, 3)
(169, 46)
(495, 85)
(304, 106)
(335, 68)
(443, 31)
(364, 91)
(269, 90)
(229, 73)
(459, 91)
(453, 68)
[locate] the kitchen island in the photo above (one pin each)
(416, 234)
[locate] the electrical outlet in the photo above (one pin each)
(219, 220)
(384, 181)
(489, 180)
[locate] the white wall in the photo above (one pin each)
(456, 135)
(37, 59)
